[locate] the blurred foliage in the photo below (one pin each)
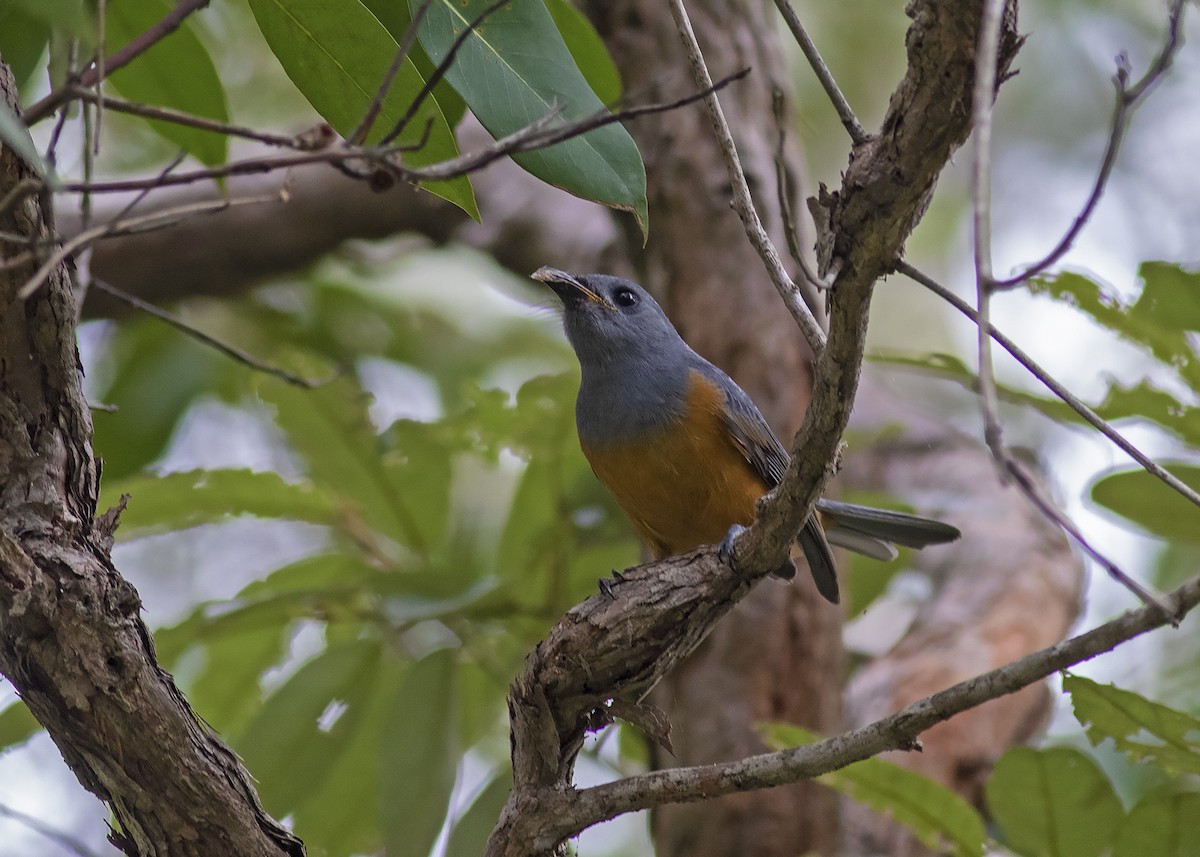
(363, 682)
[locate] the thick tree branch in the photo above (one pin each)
(71, 640)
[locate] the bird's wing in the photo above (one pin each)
(749, 430)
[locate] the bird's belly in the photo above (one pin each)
(682, 487)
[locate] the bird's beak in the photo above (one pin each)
(566, 286)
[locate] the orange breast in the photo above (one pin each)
(685, 485)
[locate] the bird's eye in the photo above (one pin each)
(625, 297)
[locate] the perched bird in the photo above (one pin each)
(682, 449)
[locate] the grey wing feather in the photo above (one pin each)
(749, 430)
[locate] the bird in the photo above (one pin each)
(682, 449)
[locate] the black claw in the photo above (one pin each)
(606, 588)
(617, 576)
(725, 549)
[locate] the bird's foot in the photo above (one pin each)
(725, 548)
(607, 586)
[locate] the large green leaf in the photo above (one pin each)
(175, 72)
(1144, 499)
(939, 818)
(470, 833)
(176, 501)
(513, 71)
(286, 746)
(1145, 731)
(419, 756)
(1053, 803)
(394, 15)
(587, 49)
(23, 41)
(337, 53)
(226, 692)
(1160, 827)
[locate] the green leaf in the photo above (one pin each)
(470, 833)
(1053, 803)
(1145, 731)
(15, 135)
(1150, 503)
(176, 501)
(330, 428)
(419, 756)
(394, 15)
(1160, 827)
(226, 693)
(587, 49)
(1158, 321)
(73, 16)
(337, 53)
(937, 816)
(17, 725)
(285, 746)
(513, 71)
(175, 72)
(158, 375)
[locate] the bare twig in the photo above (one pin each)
(17, 194)
(230, 351)
(127, 54)
(63, 840)
(101, 46)
(1071, 400)
(537, 135)
(440, 71)
(1128, 98)
(743, 203)
(783, 188)
(983, 98)
(155, 220)
(166, 114)
(854, 128)
(406, 45)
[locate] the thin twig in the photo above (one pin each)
(983, 97)
(440, 71)
(406, 45)
(64, 840)
(231, 351)
(743, 204)
(166, 114)
(783, 188)
(127, 54)
(858, 134)
(155, 220)
(1044, 504)
(101, 44)
(537, 135)
(1127, 100)
(1071, 400)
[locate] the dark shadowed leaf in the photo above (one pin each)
(24, 38)
(1053, 803)
(939, 817)
(1145, 731)
(337, 53)
(176, 72)
(1160, 827)
(1151, 504)
(513, 71)
(419, 756)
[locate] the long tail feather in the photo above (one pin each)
(883, 525)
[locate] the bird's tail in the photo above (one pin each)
(865, 530)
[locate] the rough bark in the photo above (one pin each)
(71, 641)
